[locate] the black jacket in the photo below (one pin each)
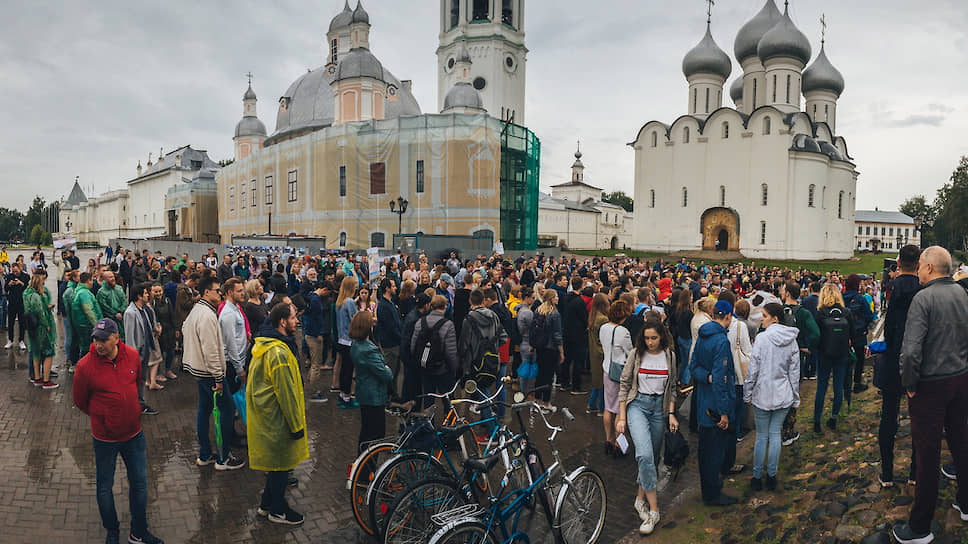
(574, 318)
(904, 287)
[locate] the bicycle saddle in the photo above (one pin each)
(448, 433)
(482, 464)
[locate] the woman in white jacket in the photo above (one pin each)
(773, 387)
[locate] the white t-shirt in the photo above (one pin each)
(653, 373)
(617, 350)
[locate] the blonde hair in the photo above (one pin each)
(347, 289)
(548, 302)
(252, 289)
(830, 296)
(37, 283)
(705, 305)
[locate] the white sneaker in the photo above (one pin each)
(22, 345)
(642, 508)
(649, 524)
(9, 345)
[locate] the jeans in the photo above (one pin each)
(345, 370)
(274, 494)
(576, 352)
(887, 431)
(684, 345)
(596, 399)
(825, 366)
(808, 365)
(15, 313)
(939, 406)
(105, 460)
(768, 424)
(373, 425)
(227, 412)
(3, 309)
(547, 362)
(391, 355)
(315, 358)
(711, 454)
(860, 349)
(436, 383)
(739, 414)
(646, 424)
(169, 359)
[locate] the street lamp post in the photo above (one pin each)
(399, 207)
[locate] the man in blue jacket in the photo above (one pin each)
(712, 372)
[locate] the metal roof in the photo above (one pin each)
(76, 196)
(878, 216)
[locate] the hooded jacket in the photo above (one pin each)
(712, 371)
(480, 325)
(773, 379)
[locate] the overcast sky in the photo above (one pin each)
(89, 88)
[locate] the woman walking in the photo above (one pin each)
(647, 401)
(372, 377)
(546, 339)
(345, 310)
(41, 338)
(596, 318)
(165, 316)
(616, 343)
(773, 387)
(833, 357)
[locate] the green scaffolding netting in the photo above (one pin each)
(520, 167)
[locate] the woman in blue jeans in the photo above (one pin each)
(834, 321)
(772, 386)
(647, 400)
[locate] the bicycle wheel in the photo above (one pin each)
(469, 531)
(580, 507)
(361, 476)
(392, 478)
(410, 518)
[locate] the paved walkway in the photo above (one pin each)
(47, 487)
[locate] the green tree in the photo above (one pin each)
(951, 207)
(10, 223)
(35, 214)
(918, 206)
(619, 198)
(40, 237)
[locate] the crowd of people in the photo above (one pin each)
(640, 338)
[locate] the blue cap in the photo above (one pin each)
(723, 308)
(104, 329)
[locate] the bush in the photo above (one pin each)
(40, 237)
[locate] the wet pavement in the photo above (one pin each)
(47, 487)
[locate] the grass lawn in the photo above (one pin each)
(862, 263)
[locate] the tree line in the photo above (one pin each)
(34, 225)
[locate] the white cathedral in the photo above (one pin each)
(769, 178)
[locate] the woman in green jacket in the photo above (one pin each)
(372, 377)
(42, 339)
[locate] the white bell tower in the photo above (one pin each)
(493, 32)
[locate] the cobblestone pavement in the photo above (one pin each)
(47, 487)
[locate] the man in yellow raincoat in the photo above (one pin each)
(276, 412)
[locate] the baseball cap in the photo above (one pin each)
(723, 308)
(104, 329)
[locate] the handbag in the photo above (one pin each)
(528, 370)
(614, 369)
(239, 398)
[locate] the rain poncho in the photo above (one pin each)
(275, 407)
(85, 312)
(43, 339)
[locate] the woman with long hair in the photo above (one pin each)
(682, 313)
(596, 318)
(364, 300)
(254, 307)
(550, 353)
(345, 310)
(616, 344)
(41, 339)
(406, 299)
(832, 353)
(773, 387)
(647, 402)
(372, 377)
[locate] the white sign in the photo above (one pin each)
(65, 242)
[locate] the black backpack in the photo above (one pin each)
(485, 361)
(538, 337)
(429, 352)
(514, 333)
(857, 305)
(834, 332)
(675, 452)
(789, 316)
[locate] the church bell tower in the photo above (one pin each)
(493, 32)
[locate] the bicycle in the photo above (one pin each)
(579, 505)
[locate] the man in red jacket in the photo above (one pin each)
(106, 388)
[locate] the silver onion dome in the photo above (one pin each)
(822, 76)
(707, 58)
(342, 19)
(463, 95)
(784, 40)
(752, 32)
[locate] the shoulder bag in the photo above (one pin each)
(614, 369)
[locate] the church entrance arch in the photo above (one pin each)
(720, 229)
(614, 243)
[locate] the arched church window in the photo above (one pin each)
(826, 112)
(707, 99)
(789, 80)
(652, 198)
(685, 197)
(722, 195)
(810, 192)
(342, 239)
(685, 135)
(655, 139)
(753, 107)
(764, 194)
(840, 205)
(725, 129)
(334, 49)
(762, 232)
(774, 88)
(767, 125)
(695, 100)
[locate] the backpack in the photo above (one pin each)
(514, 332)
(834, 332)
(789, 316)
(485, 361)
(430, 350)
(675, 452)
(538, 337)
(857, 305)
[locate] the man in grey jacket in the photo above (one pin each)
(934, 372)
(139, 328)
(232, 325)
(442, 381)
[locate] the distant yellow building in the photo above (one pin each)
(350, 138)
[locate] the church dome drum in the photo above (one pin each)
(463, 95)
(250, 126)
(750, 34)
(707, 58)
(359, 62)
(784, 40)
(822, 76)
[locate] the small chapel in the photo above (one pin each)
(769, 177)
